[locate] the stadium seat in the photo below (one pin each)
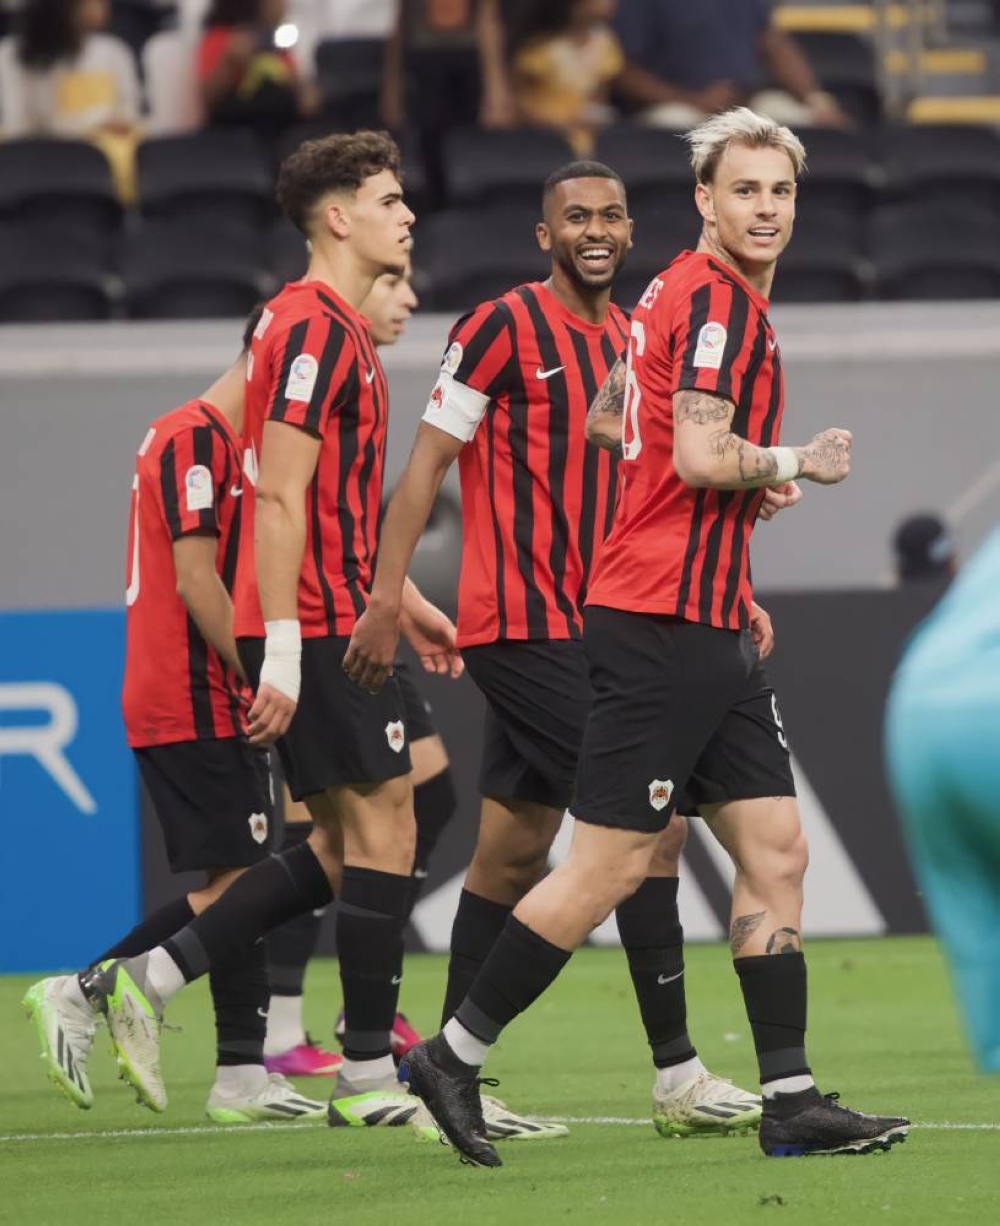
(845, 65)
(217, 174)
(841, 172)
(942, 162)
(927, 250)
(495, 168)
(653, 162)
(169, 70)
(287, 255)
(825, 261)
(192, 270)
(58, 181)
(463, 258)
(350, 76)
(54, 274)
(661, 233)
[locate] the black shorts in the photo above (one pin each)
(213, 801)
(537, 699)
(340, 735)
(417, 713)
(683, 716)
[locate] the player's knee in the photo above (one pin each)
(515, 866)
(619, 879)
(668, 848)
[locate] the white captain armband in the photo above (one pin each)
(455, 407)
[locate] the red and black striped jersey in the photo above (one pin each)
(673, 549)
(314, 366)
(516, 383)
(187, 480)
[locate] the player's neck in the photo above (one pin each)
(591, 305)
(226, 394)
(760, 276)
(338, 267)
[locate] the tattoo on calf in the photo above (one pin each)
(784, 941)
(742, 929)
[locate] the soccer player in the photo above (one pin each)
(288, 1049)
(185, 718)
(314, 435)
(511, 404)
(682, 706)
(942, 736)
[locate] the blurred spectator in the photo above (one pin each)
(63, 76)
(444, 68)
(563, 57)
(689, 58)
(246, 69)
(924, 550)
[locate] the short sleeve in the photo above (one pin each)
(712, 335)
(313, 373)
(477, 368)
(195, 470)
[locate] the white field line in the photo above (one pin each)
(11, 1138)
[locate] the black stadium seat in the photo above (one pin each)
(54, 274)
(942, 162)
(59, 182)
(841, 173)
(350, 76)
(287, 256)
(219, 174)
(463, 258)
(499, 168)
(825, 260)
(927, 250)
(654, 164)
(845, 65)
(192, 271)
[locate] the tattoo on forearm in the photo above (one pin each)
(757, 464)
(700, 408)
(610, 399)
(784, 941)
(743, 928)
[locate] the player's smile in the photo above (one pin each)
(597, 257)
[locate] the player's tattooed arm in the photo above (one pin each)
(604, 417)
(706, 451)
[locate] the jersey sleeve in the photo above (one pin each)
(194, 473)
(476, 369)
(712, 336)
(313, 373)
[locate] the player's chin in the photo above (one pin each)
(593, 278)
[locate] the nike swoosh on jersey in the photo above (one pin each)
(370, 377)
(547, 374)
(235, 491)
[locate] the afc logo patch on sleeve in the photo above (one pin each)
(711, 346)
(302, 378)
(198, 488)
(453, 358)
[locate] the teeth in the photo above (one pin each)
(596, 253)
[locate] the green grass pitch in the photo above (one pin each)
(883, 1031)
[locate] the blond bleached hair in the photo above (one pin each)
(740, 126)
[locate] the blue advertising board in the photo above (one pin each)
(69, 832)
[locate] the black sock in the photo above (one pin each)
(264, 897)
(520, 967)
(651, 933)
(151, 931)
(292, 944)
(774, 989)
(434, 804)
(477, 928)
(240, 995)
(370, 919)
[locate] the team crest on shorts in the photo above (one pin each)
(660, 791)
(395, 736)
(258, 827)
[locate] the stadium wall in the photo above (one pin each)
(916, 385)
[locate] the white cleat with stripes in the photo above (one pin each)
(705, 1106)
(278, 1100)
(65, 1034)
(502, 1124)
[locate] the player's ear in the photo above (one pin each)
(631, 232)
(705, 203)
(335, 216)
(544, 236)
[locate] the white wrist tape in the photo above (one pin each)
(788, 464)
(282, 667)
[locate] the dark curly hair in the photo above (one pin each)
(48, 33)
(335, 163)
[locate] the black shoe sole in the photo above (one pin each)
(871, 1145)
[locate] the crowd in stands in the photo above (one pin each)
(191, 103)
